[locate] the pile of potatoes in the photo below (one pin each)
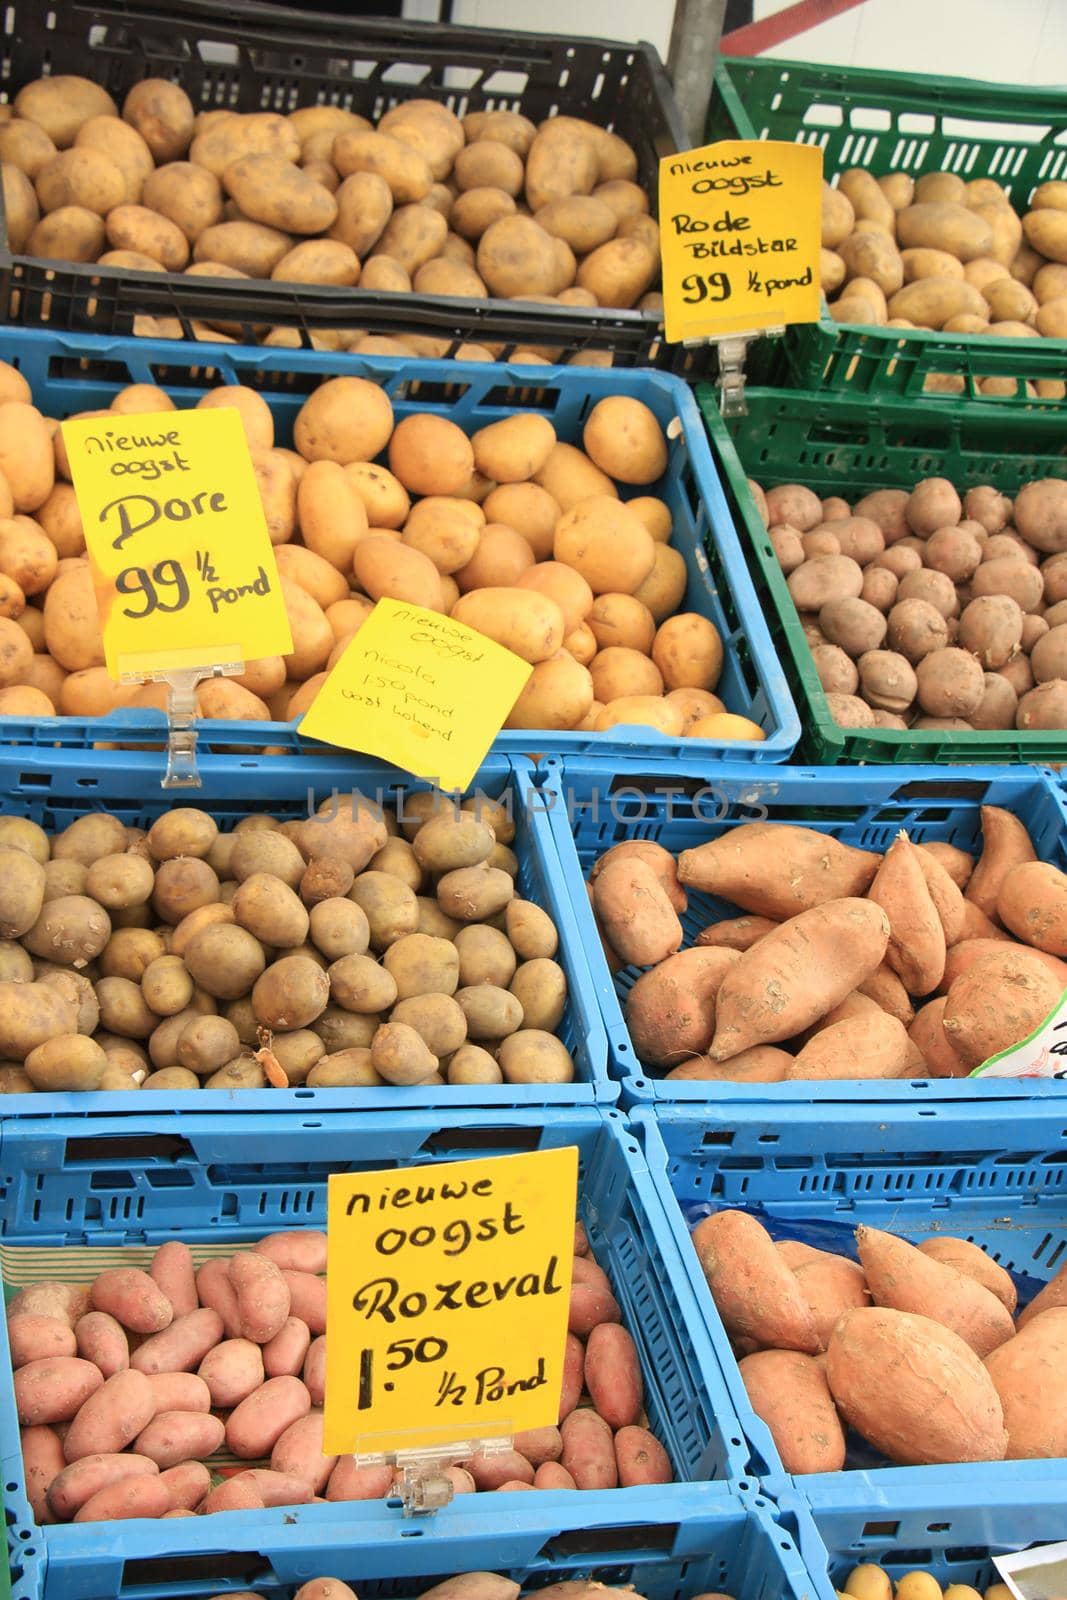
(928, 610)
(916, 1347)
(125, 1387)
(492, 205)
(512, 531)
(870, 1582)
(342, 951)
(944, 253)
(921, 962)
(492, 1586)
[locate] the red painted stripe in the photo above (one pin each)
(757, 37)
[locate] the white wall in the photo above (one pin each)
(1005, 41)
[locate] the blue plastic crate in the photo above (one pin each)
(69, 373)
(978, 1172)
(217, 1179)
(55, 788)
(592, 807)
(940, 1526)
(735, 1546)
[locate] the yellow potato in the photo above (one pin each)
(522, 620)
(405, 170)
(664, 589)
(316, 576)
(60, 104)
(649, 711)
(346, 419)
(163, 115)
(724, 725)
(325, 261)
(623, 437)
(558, 694)
(26, 456)
(73, 233)
(312, 635)
(81, 177)
(232, 137)
(71, 624)
(512, 450)
(619, 272)
(25, 145)
(559, 162)
(1046, 232)
(838, 216)
(568, 475)
(611, 548)
(251, 247)
(516, 257)
(134, 227)
(279, 194)
(189, 195)
(387, 568)
(866, 198)
(923, 262)
(21, 211)
(688, 652)
(945, 225)
(384, 497)
(582, 221)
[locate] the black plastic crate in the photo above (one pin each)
(259, 57)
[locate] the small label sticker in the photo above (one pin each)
(1042, 1054)
(419, 690)
(448, 1292)
(182, 564)
(740, 227)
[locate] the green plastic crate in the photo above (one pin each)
(900, 122)
(838, 444)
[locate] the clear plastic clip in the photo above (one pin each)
(424, 1486)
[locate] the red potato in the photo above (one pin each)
(539, 1445)
(307, 1298)
(42, 1462)
(613, 1375)
(493, 1472)
(640, 1458)
(54, 1389)
(552, 1475)
(102, 1340)
(298, 1251)
(173, 1270)
(236, 1494)
(82, 1479)
(179, 1391)
(573, 1375)
(182, 1346)
(33, 1338)
(262, 1295)
(278, 1488)
(512, 1486)
(111, 1417)
(67, 1301)
(174, 1436)
(298, 1452)
(591, 1303)
(315, 1370)
(589, 1451)
(789, 1391)
(350, 1482)
(140, 1496)
(905, 1279)
(286, 1352)
(215, 1290)
(755, 1293)
(255, 1426)
(232, 1371)
(187, 1484)
(132, 1298)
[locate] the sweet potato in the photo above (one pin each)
(902, 1278)
(857, 1047)
(916, 939)
(1032, 903)
(613, 1374)
(854, 1005)
(735, 933)
(755, 1293)
(957, 863)
(914, 1389)
(798, 973)
(1005, 844)
(762, 1064)
(670, 1011)
(886, 990)
(998, 1001)
(1053, 1294)
(640, 1459)
(928, 1035)
(777, 870)
(944, 892)
(635, 913)
(654, 855)
(973, 1262)
(976, 925)
(831, 1285)
(1027, 1372)
(789, 1391)
(963, 956)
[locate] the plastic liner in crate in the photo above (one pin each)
(70, 373)
(900, 122)
(985, 1173)
(55, 790)
(258, 57)
(924, 1523)
(840, 444)
(136, 1182)
(590, 809)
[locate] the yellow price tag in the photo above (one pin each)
(740, 227)
(183, 567)
(420, 690)
(448, 1290)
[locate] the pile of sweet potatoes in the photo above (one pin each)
(922, 962)
(125, 1387)
(915, 1347)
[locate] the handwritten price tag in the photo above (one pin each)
(1042, 1054)
(448, 1289)
(740, 232)
(182, 563)
(419, 690)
